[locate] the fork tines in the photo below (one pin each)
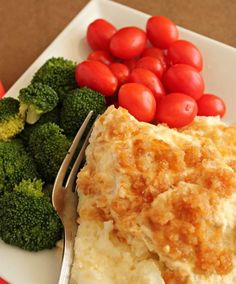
(59, 181)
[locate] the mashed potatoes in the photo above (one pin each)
(157, 205)
(101, 258)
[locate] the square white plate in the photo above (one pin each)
(20, 267)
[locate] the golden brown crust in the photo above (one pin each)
(164, 187)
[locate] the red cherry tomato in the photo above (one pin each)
(176, 110)
(161, 31)
(2, 281)
(149, 79)
(121, 71)
(97, 76)
(184, 79)
(128, 43)
(211, 105)
(102, 56)
(99, 33)
(151, 63)
(138, 100)
(2, 90)
(183, 51)
(130, 63)
(158, 53)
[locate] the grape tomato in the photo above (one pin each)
(161, 31)
(121, 71)
(102, 56)
(211, 105)
(2, 90)
(176, 110)
(184, 52)
(151, 63)
(99, 34)
(138, 100)
(149, 79)
(128, 43)
(185, 79)
(97, 76)
(158, 53)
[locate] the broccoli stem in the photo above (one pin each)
(32, 115)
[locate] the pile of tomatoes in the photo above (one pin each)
(153, 74)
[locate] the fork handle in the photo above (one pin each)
(66, 262)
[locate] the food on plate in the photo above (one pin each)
(157, 53)
(58, 73)
(157, 205)
(121, 71)
(11, 118)
(130, 63)
(184, 52)
(27, 217)
(183, 78)
(76, 105)
(138, 100)
(2, 92)
(211, 105)
(99, 34)
(37, 99)
(175, 65)
(2, 281)
(128, 43)
(148, 79)
(102, 56)
(161, 31)
(15, 164)
(37, 129)
(33, 143)
(51, 116)
(97, 76)
(151, 63)
(48, 146)
(176, 110)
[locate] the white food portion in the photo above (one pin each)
(198, 160)
(100, 259)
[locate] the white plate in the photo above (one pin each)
(20, 267)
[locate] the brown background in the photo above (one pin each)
(28, 26)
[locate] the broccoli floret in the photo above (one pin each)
(48, 146)
(37, 99)
(51, 116)
(76, 107)
(11, 118)
(15, 164)
(27, 218)
(59, 74)
(28, 186)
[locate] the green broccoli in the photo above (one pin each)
(37, 99)
(76, 107)
(27, 218)
(51, 116)
(49, 146)
(15, 164)
(11, 118)
(59, 74)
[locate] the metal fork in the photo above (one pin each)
(65, 199)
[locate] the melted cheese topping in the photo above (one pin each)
(170, 192)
